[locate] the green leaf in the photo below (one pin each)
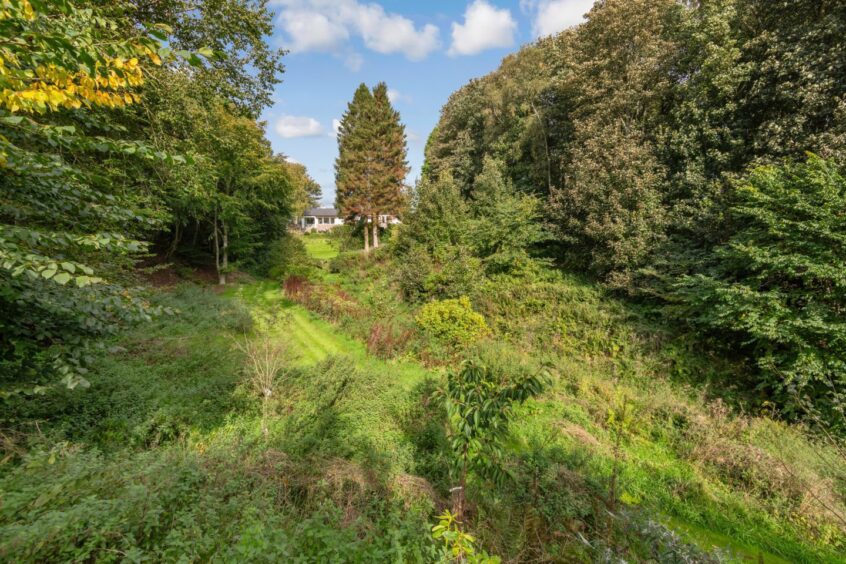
(62, 278)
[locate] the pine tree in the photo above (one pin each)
(391, 166)
(354, 165)
(371, 166)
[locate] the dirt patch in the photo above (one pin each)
(163, 273)
(413, 489)
(579, 434)
(164, 277)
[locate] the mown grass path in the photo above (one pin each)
(320, 247)
(314, 339)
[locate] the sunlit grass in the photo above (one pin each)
(320, 247)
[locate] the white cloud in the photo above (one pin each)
(292, 160)
(312, 31)
(336, 127)
(296, 126)
(413, 136)
(552, 16)
(395, 96)
(353, 61)
(485, 27)
(324, 25)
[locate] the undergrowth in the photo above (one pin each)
(170, 454)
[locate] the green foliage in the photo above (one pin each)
(636, 125)
(779, 283)
(284, 257)
(458, 545)
(365, 186)
(439, 216)
(107, 143)
(66, 230)
(506, 225)
(171, 505)
(479, 402)
(239, 65)
(452, 321)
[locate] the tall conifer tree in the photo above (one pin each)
(353, 167)
(371, 166)
(391, 166)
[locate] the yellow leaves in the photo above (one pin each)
(17, 10)
(50, 88)
(29, 84)
(153, 56)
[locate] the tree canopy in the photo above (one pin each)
(120, 138)
(641, 130)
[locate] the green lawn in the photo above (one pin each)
(320, 247)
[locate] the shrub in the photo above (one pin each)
(386, 340)
(412, 273)
(284, 256)
(779, 284)
(329, 302)
(266, 357)
(456, 274)
(348, 237)
(452, 321)
(345, 262)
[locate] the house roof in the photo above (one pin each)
(321, 212)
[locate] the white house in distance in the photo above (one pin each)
(324, 219)
(319, 219)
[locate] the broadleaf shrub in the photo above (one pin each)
(284, 257)
(779, 284)
(452, 321)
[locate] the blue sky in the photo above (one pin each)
(423, 50)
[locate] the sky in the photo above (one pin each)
(423, 49)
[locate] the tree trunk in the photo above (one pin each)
(216, 245)
(366, 237)
(225, 266)
(376, 232)
(546, 146)
(177, 236)
(458, 509)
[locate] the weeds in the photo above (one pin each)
(266, 358)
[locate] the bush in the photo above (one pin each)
(345, 262)
(779, 284)
(452, 322)
(412, 273)
(349, 237)
(331, 303)
(284, 257)
(457, 274)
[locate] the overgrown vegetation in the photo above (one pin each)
(670, 143)
(459, 394)
(629, 405)
(126, 129)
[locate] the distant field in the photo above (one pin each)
(320, 247)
